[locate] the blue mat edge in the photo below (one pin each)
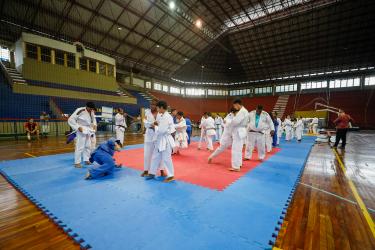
(60, 224)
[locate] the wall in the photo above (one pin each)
(358, 103)
(36, 90)
(47, 72)
(19, 55)
(195, 107)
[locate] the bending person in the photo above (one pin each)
(102, 158)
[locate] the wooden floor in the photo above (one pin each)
(323, 213)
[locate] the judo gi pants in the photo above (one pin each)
(103, 164)
(148, 150)
(288, 134)
(315, 128)
(189, 135)
(341, 135)
(223, 145)
(162, 158)
(258, 140)
(120, 135)
(275, 138)
(82, 148)
(218, 132)
(268, 139)
(201, 138)
(299, 134)
(209, 139)
(237, 146)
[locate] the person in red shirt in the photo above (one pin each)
(342, 125)
(31, 128)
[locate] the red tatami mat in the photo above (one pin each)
(191, 166)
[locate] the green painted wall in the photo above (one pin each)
(36, 90)
(46, 72)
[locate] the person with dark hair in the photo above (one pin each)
(203, 130)
(120, 125)
(226, 138)
(31, 128)
(298, 125)
(276, 125)
(83, 122)
(218, 126)
(259, 123)
(209, 126)
(102, 158)
(342, 125)
(189, 128)
(181, 137)
(239, 125)
(174, 114)
(164, 143)
(288, 128)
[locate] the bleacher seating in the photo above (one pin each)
(20, 105)
(67, 105)
(141, 99)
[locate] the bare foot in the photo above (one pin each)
(209, 160)
(87, 163)
(78, 165)
(234, 169)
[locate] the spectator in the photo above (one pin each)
(31, 128)
(44, 123)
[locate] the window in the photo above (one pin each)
(4, 54)
(157, 86)
(31, 51)
(263, 90)
(83, 63)
(71, 60)
(110, 69)
(370, 81)
(101, 68)
(59, 57)
(344, 83)
(45, 54)
(194, 92)
(286, 88)
(216, 92)
(148, 85)
(175, 90)
(92, 66)
(314, 85)
(165, 88)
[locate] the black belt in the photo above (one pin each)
(256, 132)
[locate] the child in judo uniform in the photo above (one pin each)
(102, 158)
(181, 137)
(288, 128)
(209, 127)
(299, 129)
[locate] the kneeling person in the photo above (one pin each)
(103, 160)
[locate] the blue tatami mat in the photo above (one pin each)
(124, 211)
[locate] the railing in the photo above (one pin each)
(14, 128)
(6, 74)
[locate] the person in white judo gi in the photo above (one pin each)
(181, 136)
(239, 125)
(164, 142)
(299, 129)
(315, 123)
(218, 126)
(288, 128)
(209, 127)
(260, 123)
(226, 137)
(83, 121)
(203, 131)
(120, 125)
(279, 129)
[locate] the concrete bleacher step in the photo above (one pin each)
(281, 104)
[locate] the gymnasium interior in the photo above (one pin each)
(306, 60)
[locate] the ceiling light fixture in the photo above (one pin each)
(198, 23)
(157, 46)
(172, 5)
(119, 28)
